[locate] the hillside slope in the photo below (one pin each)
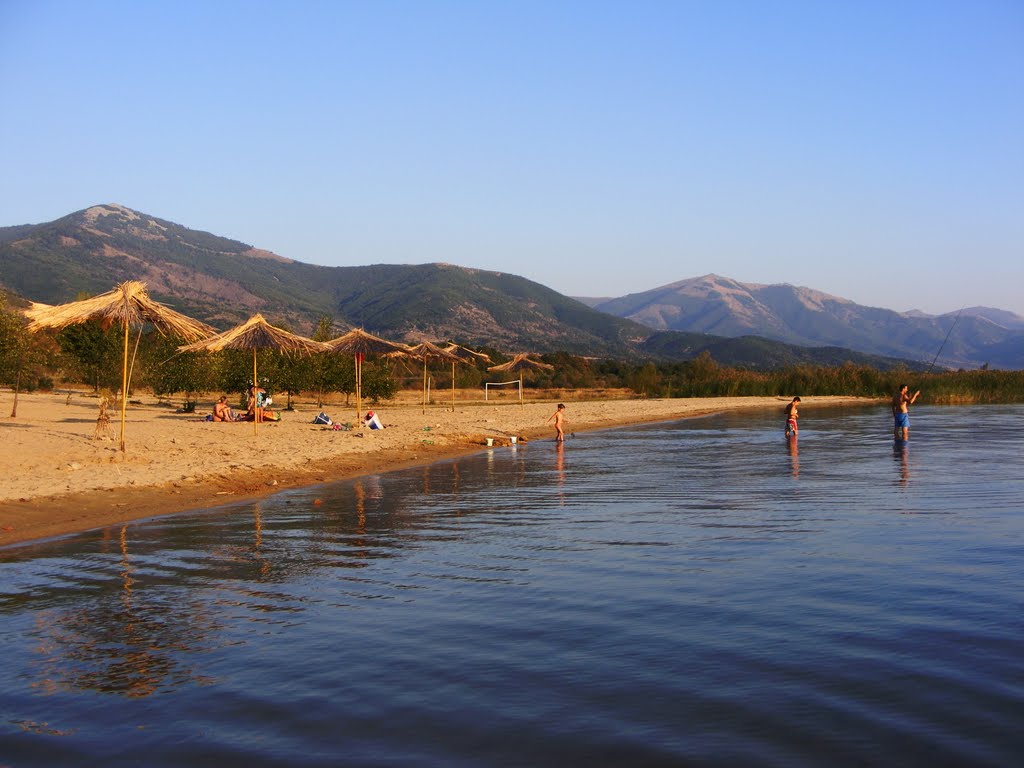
(223, 281)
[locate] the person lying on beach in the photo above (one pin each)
(224, 412)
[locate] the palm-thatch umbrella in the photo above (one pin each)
(361, 344)
(256, 333)
(520, 363)
(464, 355)
(426, 351)
(127, 305)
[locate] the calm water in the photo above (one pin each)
(692, 593)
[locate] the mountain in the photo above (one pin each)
(223, 281)
(802, 316)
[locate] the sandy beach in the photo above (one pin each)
(59, 479)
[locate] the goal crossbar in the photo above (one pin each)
(489, 384)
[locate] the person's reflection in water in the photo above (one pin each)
(900, 452)
(560, 471)
(794, 455)
(257, 542)
(360, 493)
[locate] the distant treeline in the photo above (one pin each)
(703, 377)
(90, 355)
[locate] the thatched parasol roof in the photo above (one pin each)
(467, 355)
(359, 342)
(426, 351)
(256, 333)
(126, 305)
(520, 363)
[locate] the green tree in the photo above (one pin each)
(93, 354)
(168, 371)
(330, 372)
(645, 380)
(235, 371)
(378, 383)
(24, 357)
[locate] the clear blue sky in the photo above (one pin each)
(872, 150)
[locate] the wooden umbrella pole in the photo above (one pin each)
(453, 386)
(424, 384)
(135, 353)
(521, 390)
(124, 384)
(359, 389)
(255, 397)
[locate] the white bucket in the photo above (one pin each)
(514, 439)
(490, 441)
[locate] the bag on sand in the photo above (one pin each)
(322, 418)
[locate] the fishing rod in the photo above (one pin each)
(944, 341)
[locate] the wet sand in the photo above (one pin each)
(59, 479)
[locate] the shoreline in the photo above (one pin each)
(178, 462)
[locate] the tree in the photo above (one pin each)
(645, 380)
(378, 383)
(330, 372)
(25, 358)
(93, 354)
(168, 371)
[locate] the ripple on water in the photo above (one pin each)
(697, 592)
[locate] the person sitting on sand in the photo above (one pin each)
(222, 411)
(258, 405)
(372, 420)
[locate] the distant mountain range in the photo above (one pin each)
(223, 281)
(721, 306)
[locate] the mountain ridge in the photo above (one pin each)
(808, 317)
(222, 281)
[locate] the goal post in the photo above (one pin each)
(489, 384)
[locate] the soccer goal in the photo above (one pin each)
(489, 384)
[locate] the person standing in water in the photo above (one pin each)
(559, 418)
(901, 416)
(791, 417)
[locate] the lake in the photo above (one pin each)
(696, 592)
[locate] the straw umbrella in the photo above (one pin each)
(520, 363)
(361, 344)
(467, 356)
(256, 333)
(127, 305)
(425, 351)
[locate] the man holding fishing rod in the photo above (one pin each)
(900, 401)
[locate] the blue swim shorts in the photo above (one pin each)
(902, 420)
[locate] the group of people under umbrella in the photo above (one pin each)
(129, 306)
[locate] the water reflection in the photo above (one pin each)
(901, 454)
(560, 472)
(119, 641)
(794, 455)
(686, 592)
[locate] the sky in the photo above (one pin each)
(870, 150)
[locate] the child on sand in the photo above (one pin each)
(559, 418)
